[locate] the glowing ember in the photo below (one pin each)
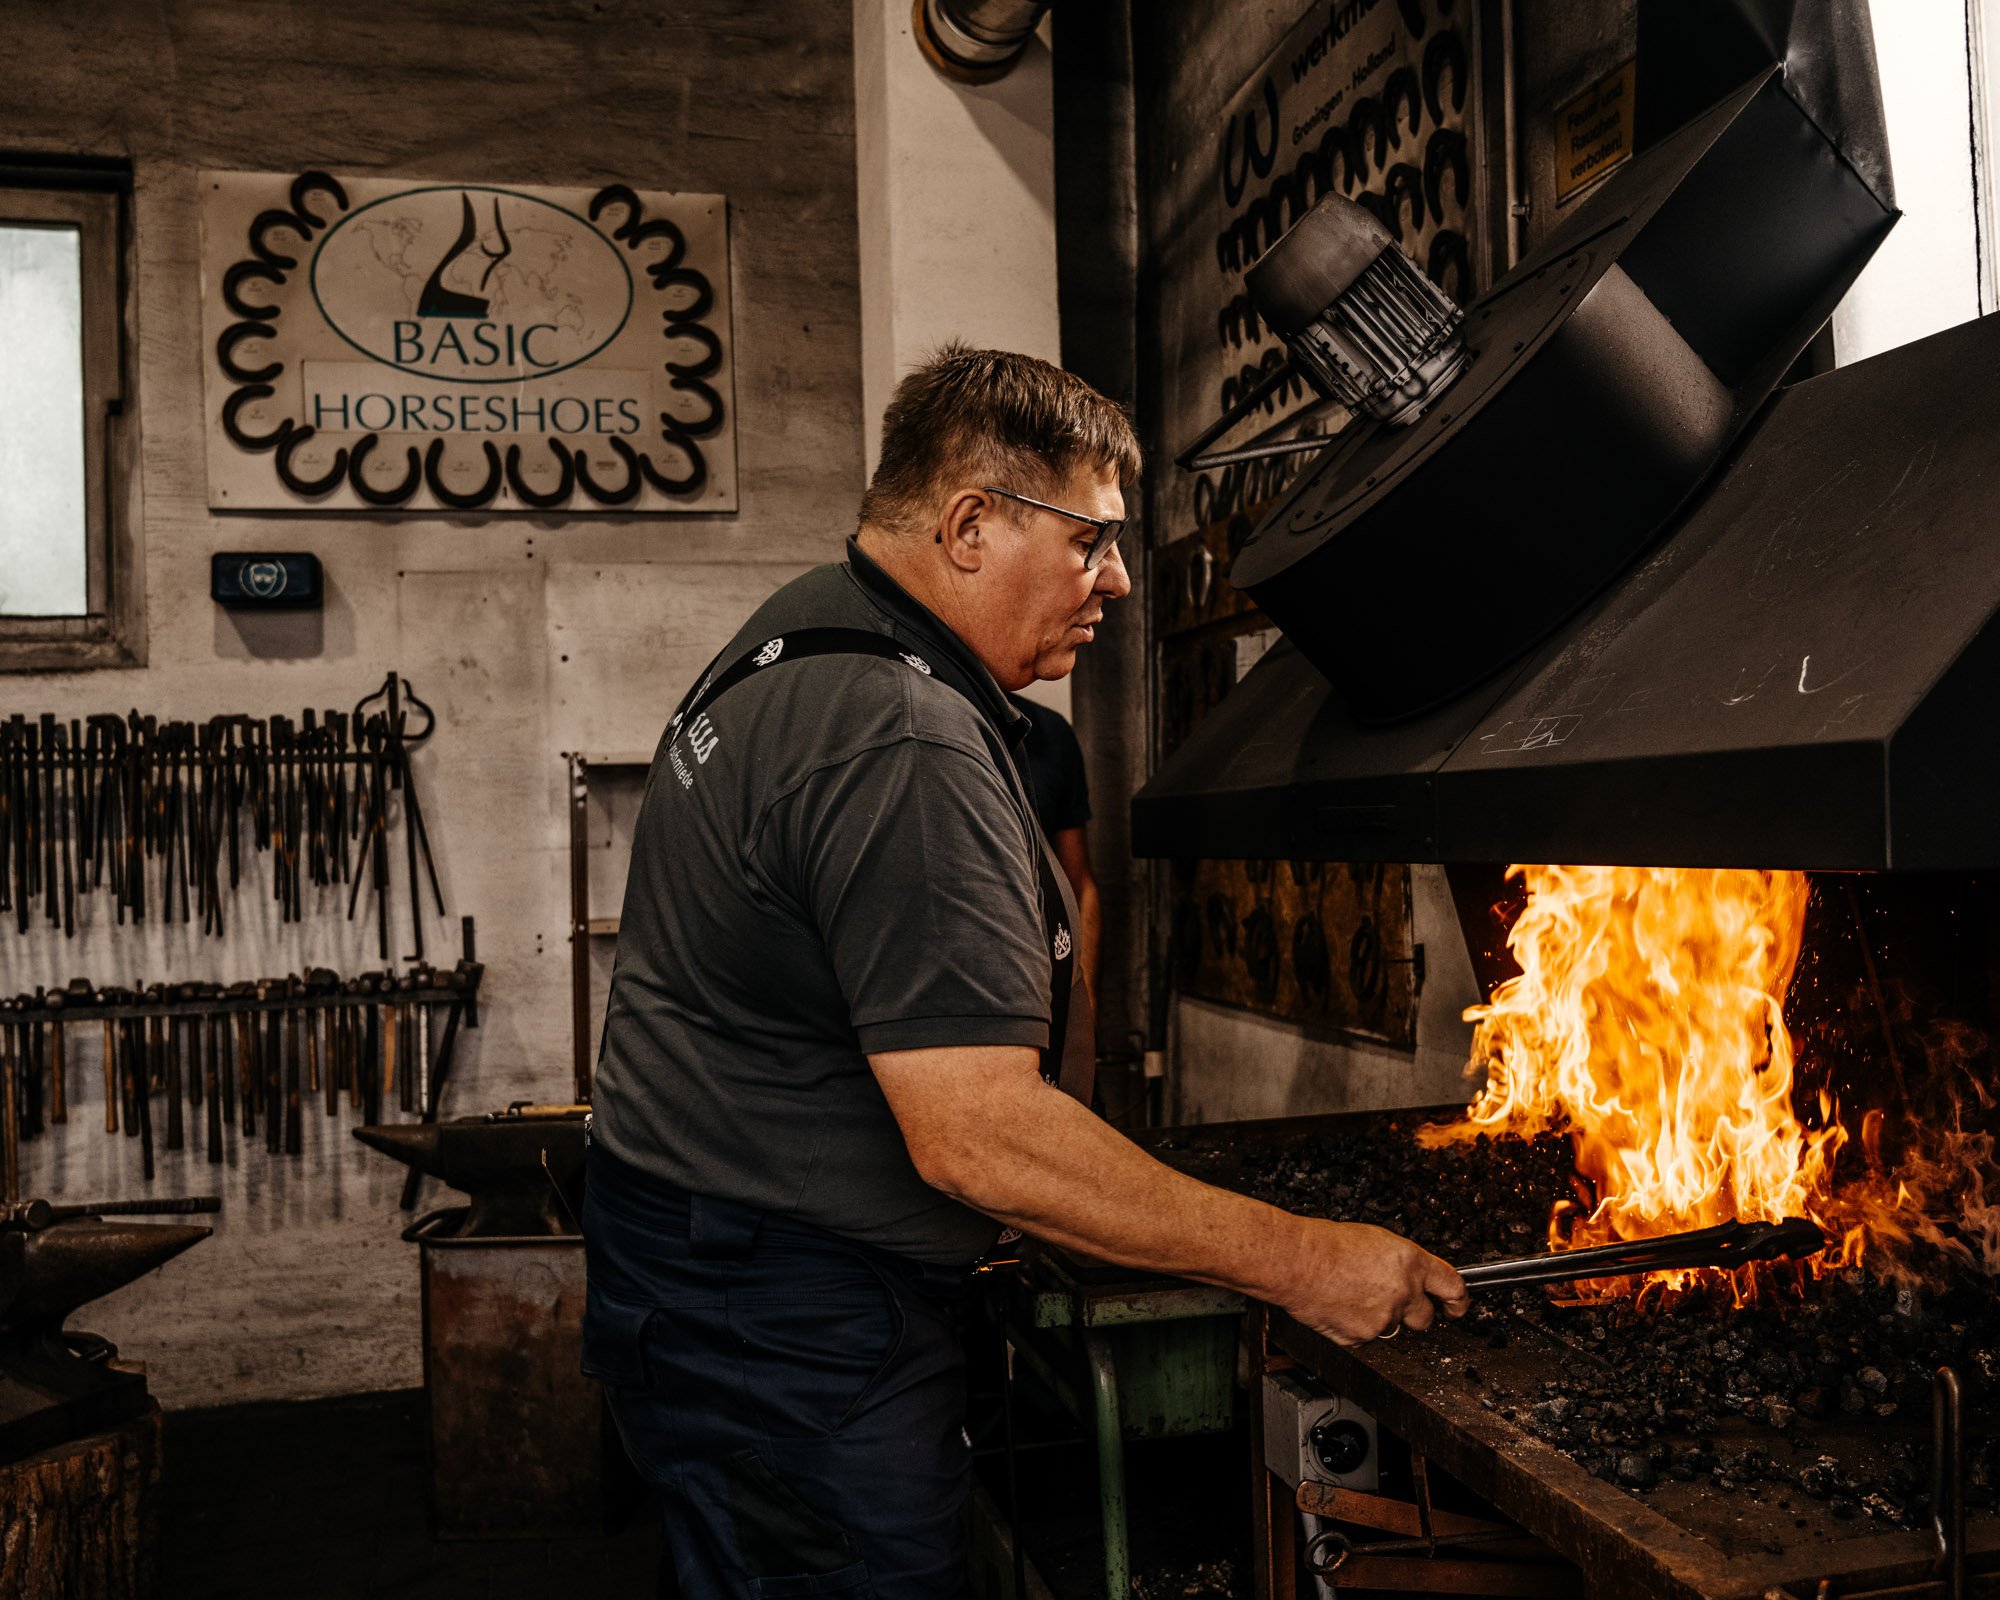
(1647, 1022)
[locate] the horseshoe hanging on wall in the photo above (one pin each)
(689, 482)
(243, 272)
(1256, 157)
(542, 500)
(225, 353)
(1365, 961)
(308, 488)
(460, 500)
(364, 490)
(232, 424)
(622, 493)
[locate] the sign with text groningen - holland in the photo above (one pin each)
(1364, 98)
(378, 344)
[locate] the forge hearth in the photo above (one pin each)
(1672, 1446)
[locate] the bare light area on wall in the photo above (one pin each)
(42, 531)
(1925, 278)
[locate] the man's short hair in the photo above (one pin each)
(989, 416)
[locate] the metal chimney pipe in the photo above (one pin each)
(976, 41)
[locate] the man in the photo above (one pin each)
(844, 1044)
(1053, 760)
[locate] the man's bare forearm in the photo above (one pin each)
(990, 1133)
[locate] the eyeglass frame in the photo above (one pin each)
(1109, 529)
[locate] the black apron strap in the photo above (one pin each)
(1058, 919)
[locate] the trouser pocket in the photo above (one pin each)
(614, 1341)
(815, 1350)
(786, 1546)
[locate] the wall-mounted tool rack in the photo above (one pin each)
(152, 809)
(176, 1057)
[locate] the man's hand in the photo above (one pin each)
(1354, 1282)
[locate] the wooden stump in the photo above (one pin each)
(81, 1521)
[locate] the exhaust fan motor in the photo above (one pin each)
(1363, 325)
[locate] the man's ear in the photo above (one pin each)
(960, 528)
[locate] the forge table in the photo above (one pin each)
(1681, 1541)
(1130, 1356)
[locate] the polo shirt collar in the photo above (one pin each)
(904, 607)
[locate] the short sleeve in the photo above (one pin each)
(913, 862)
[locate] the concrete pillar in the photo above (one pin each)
(956, 209)
(956, 204)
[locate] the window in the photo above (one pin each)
(69, 589)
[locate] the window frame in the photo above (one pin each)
(1982, 49)
(111, 631)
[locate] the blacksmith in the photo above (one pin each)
(847, 1040)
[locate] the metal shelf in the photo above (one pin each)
(583, 766)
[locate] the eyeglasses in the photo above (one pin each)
(1108, 528)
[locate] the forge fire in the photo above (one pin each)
(1639, 1076)
(1648, 1024)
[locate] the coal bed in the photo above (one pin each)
(1805, 1417)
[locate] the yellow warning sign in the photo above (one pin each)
(1594, 132)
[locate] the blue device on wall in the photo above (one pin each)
(255, 580)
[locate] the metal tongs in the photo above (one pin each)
(1732, 1244)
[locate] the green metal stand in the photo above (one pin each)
(1110, 1467)
(1130, 1357)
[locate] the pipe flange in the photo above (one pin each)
(963, 49)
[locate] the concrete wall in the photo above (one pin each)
(530, 637)
(956, 209)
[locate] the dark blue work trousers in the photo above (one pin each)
(797, 1399)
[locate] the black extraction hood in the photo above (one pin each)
(1805, 673)
(1739, 628)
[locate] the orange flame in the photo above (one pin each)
(1647, 1022)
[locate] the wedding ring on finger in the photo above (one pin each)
(1391, 1333)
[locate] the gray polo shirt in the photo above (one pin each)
(828, 863)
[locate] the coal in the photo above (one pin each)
(1636, 1472)
(1199, 1580)
(1820, 1388)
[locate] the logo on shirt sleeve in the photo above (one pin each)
(773, 648)
(918, 662)
(702, 738)
(701, 741)
(1062, 944)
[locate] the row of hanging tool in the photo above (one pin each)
(111, 804)
(187, 1063)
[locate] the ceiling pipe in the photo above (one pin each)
(976, 41)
